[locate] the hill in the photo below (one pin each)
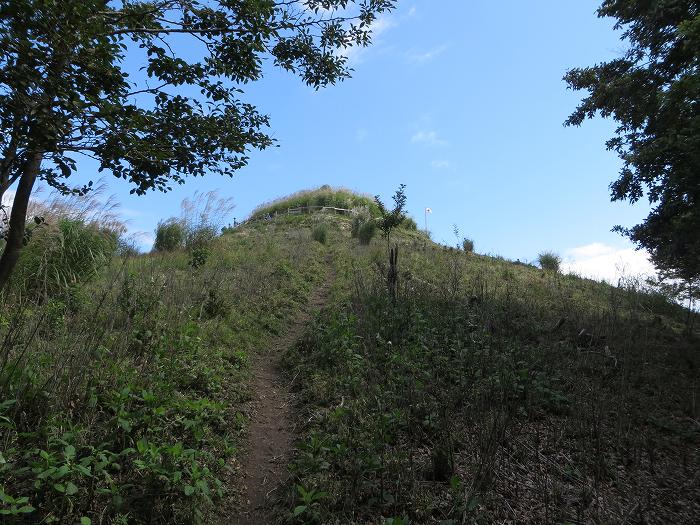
(448, 388)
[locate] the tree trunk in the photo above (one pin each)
(18, 218)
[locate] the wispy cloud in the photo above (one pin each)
(604, 262)
(429, 137)
(130, 212)
(421, 57)
(441, 164)
(379, 26)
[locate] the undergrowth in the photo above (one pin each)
(492, 392)
(122, 397)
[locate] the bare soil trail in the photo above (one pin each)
(270, 435)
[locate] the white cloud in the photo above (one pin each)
(130, 212)
(381, 25)
(441, 164)
(426, 56)
(427, 137)
(603, 262)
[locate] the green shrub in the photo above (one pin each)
(170, 236)
(61, 255)
(549, 261)
(367, 232)
(320, 233)
(468, 245)
(357, 223)
(198, 257)
(409, 223)
(198, 237)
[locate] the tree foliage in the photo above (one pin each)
(392, 219)
(70, 85)
(653, 93)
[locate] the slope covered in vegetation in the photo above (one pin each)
(319, 197)
(437, 386)
(489, 391)
(123, 397)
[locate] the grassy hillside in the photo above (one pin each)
(123, 397)
(322, 196)
(491, 391)
(480, 391)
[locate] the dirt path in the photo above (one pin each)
(270, 435)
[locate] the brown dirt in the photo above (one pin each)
(270, 433)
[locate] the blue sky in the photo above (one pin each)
(462, 101)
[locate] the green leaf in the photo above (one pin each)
(142, 445)
(189, 490)
(299, 510)
(71, 488)
(69, 452)
(85, 521)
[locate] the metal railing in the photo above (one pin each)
(295, 211)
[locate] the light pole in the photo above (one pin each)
(427, 211)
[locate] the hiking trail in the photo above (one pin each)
(270, 434)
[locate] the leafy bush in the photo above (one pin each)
(468, 245)
(198, 237)
(549, 261)
(367, 231)
(409, 223)
(320, 233)
(198, 258)
(170, 236)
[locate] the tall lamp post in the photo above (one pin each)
(427, 211)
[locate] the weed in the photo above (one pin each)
(367, 232)
(170, 236)
(549, 261)
(468, 245)
(320, 233)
